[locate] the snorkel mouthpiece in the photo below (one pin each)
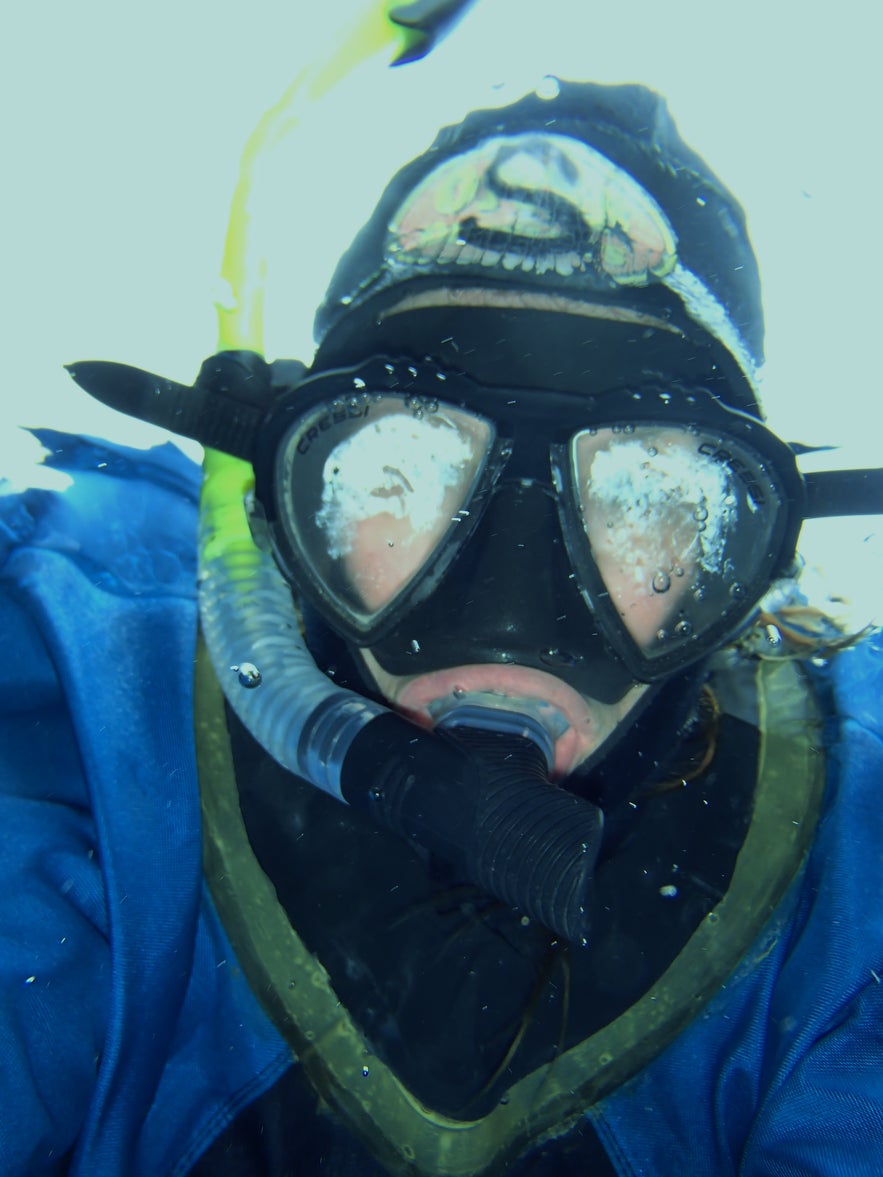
(482, 802)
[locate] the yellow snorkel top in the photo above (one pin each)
(377, 36)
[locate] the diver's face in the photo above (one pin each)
(646, 560)
(383, 558)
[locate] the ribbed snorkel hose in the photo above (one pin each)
(292, 709)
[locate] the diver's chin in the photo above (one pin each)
(575, 726)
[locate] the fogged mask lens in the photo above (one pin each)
(681, 525)
(370, 487)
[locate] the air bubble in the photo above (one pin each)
(390, 370)
(548, 88)
(415, 646)
(700, 514)
(358, 382)
(661, 635)
(737, 591)
(669, 891)
(248, 674)
(661, 582)
(773, 636)
(459, 692)
(699, 593)
(652, 451)
(684, 628)
(629, 429)
(365, 1072)
(678, 571)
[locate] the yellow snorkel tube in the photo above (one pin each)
(381, 34)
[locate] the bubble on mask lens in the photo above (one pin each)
(248, 674)
(556, 657)
(548, 88)
(661, 582)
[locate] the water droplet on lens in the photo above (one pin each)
(661, 582)
(548, 88)
(684, 628)
(248, 673)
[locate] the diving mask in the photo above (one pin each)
(672, 513)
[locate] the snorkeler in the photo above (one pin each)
(503, 827)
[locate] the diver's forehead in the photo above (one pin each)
(506, 299)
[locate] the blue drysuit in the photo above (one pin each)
(129, 1039)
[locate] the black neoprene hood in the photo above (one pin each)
(630, 126)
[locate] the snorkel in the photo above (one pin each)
(488, 807)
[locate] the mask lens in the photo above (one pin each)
(368, 488)
(679, 525)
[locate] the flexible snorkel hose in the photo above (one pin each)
(490, 810)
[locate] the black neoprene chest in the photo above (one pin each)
(454, 1017)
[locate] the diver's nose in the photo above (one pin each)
(515, 582)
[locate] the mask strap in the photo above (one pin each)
(844, 492)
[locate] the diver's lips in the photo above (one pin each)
(568, 718)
